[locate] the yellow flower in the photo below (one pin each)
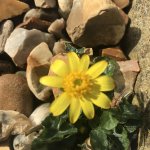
(82, 86)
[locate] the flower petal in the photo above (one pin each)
(97, 69)
(88, 108)
(60, 68)
(75, 110)
(52, 81)
(84, 63)
(60, 104)
(73, 61)
(102, 101)
(106, 83)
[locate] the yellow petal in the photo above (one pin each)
(75, 110)
(106, 83)
(97, 69)
(60, 68)
(73, 61)
(84, 63)
(102, 101)
(60, 104)
(88, 108)
(52, 81)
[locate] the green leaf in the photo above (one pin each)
(108, 120)
(99, 139)
(56, 129)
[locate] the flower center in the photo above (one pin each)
(77, 84)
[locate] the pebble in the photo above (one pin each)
(15, 94)
(38, 63)
(5, 30)
(45, 3)
(12, 8)
(121, 3)
(22, 41)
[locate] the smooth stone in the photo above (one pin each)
(12, 8)
(21, 42)
(5, 30)
(65, 7)
(114, 53)
(104, 25)
(38, 63)
(45, 3)
(15, 94)
(57, 28)
(43, 14)
(121, 3)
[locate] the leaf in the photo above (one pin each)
(99, 139)
(56, 130)
(108, 121)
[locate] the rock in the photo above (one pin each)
(22, 41)
(57, 28)
(5, 145)
(45, 3)
(65, 7)
(114, 53)
(35, 23)
(43, 14)
(13, 123)
(37, 66)
(137, 44)
(39, 114)
(121, 3)
(104, 25)
(15, 94)
(59, 47)
(5, 29)
(124, 16)
(6, 67)
(11, 8)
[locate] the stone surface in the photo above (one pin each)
(5, 29)
(44, 14)
(11, 8)
(45, 3)
(15, 94)
(57, 28)
(6, 67)
(59, 47)
(137, 44)
(65, 7)
(114, 53)
(22, 41)
(104, 25)
(37, 66)
(35, 23)
(121, 3)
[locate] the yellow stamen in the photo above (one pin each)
(77, 84)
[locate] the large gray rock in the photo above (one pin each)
(5, 30)
(22, 41)
(93, 23)
(137, 43)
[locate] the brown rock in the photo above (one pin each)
(5, 29)
(35, 23)
(43, 14)
(121, 3)
(57, 28)
(45, 3)
(15, 94)
(104, 25)
(38, 63)
(114, 53)
(11, 8)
